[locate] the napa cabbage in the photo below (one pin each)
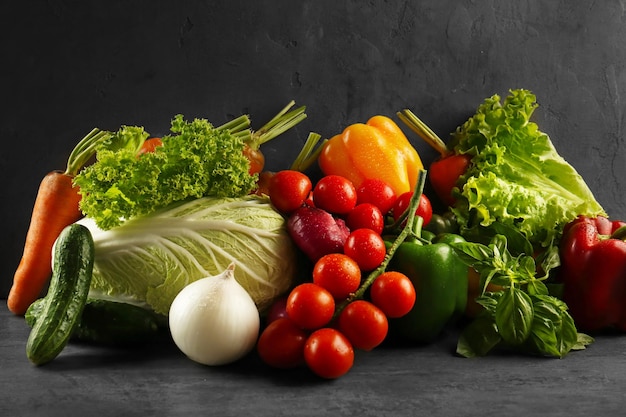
(148, 259)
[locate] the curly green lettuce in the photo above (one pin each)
(196, 160)
(516, 176)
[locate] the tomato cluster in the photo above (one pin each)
(322, 321)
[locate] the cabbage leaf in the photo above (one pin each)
(516, 176)
(148, 259)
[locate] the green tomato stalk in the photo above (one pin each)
(406, 231)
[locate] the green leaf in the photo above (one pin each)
(516, 176)
(478, 338)
(554, 332)
(582, 341)
(514, 316)
(543, 337)
(536, 287)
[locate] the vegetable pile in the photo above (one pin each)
(189, 235)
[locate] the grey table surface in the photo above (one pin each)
(389, 381)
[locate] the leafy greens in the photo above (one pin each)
(195, 160)
(516, 176)
(149, 259)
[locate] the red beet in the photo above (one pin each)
(316, 232)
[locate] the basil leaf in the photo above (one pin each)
(478, 338)
(514, 316)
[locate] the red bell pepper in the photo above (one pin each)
(593, 272)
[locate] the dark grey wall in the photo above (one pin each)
(69, 66)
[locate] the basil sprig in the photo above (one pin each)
(523, 316)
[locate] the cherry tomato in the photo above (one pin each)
(364, 324)
(328, 353)
(281, 344)
(277, 310)
(424, 208)
(256, 159)
(366, 247)
(377, 192)
(149, 145)
(335, 194)
(289, 189)
(337, 273)
(366, 216)
(310, 306)
(394, 293)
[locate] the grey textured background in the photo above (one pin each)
(69, 66)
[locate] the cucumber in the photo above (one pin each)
(67, 294)
(110, 323)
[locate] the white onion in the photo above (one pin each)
(213, 320)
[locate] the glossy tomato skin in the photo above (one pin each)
(310, 306)
(288, 190)
(366, 216)
(281, 344)
(378, 192)
(328, 353)
(337, 273)
(335, 194)
(364, 324)
(394, 293)
(366, 247)
(424, 207)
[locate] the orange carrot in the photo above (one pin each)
(56, 206)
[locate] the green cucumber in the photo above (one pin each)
(63, 305)
(110, 323)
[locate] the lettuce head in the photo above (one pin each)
(516, 176)
(148, 259)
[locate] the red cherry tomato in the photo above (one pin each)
(377, 192)
(281, 344)
(337, 273)
(424, 208)
(366, 247)
(366, 216)
(310, 306)
(328, 353)
(289, 189)
(256, 159)
(394, 293)
(364, 324)
(335, 194)
(149, 145)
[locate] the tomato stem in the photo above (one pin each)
(406, 231)
(425, 132)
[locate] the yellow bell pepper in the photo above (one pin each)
(377, 149)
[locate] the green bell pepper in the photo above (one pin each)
(440, 279)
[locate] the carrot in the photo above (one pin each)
(56, 206)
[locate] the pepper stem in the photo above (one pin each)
(620, 233)
(425, 132)
(406, 231)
